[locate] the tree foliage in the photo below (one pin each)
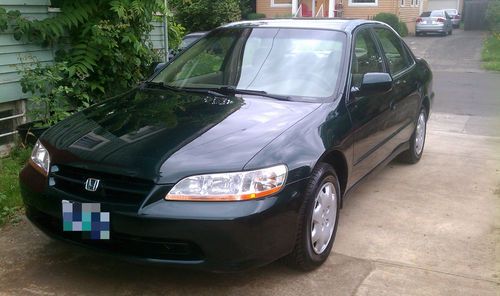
(493, 15)
(203, 15)
(101, 43)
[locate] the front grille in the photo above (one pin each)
(112, 188)
(120, 243)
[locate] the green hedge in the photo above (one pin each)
(393, 21)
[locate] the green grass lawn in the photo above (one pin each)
(10, 197)
(491, 52)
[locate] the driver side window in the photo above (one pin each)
(366, 57)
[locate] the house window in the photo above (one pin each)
(417, 2)
(402, 3)
(281, 3)
(363, 2)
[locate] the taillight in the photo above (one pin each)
(456, 17)
(440, 20)
(419, 20)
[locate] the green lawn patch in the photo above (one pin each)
(10, 196)
(491, 52)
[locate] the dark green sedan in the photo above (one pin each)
(238, 152)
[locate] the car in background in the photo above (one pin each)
(238, 152)
(436, 21)
(455, 17)
(186, 41)
(190, 39)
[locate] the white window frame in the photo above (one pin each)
(402, 3)
(412, 3)
(417, 3)
(363, 4)
(280, 4)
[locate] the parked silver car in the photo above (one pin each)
(436, 21)
(455, 17)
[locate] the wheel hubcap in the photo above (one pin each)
(420, 133)
(323, 217)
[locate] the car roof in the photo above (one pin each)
(347, 25)
(196, 34)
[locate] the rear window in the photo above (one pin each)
(451, 11)
(438, 13)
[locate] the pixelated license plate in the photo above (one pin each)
(86, 218)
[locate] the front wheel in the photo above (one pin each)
(318, 219)
(417, 140)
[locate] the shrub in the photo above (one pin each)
(204, 15)
(255, 16)
(493, 15)
(246, 8)
(403, 29)
(102, 51)
(388, 18)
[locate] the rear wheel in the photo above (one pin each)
(417, 140)
(318, 219)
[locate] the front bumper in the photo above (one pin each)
(216, 236)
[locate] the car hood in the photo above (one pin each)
(164, 135)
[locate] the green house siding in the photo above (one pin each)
(11, 50)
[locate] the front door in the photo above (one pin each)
(369, 114)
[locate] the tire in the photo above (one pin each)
(414, 153)
(417, 34)
(309, 254)
(451, 32)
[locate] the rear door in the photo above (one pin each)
(369, 114)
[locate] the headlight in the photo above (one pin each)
(40, 158)
(230, 186)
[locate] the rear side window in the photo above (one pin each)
(394, 51)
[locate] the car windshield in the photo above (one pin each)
(451, 11)
(287, 62)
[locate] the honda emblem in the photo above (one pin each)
(92, 184)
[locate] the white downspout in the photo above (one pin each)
(295, 6)
(313, 8)
(331, 8)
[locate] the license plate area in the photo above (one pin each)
(86, 218)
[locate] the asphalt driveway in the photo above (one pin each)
(426, 229)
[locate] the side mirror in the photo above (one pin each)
(374, 83)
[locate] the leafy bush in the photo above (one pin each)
(403, 29)
(255, 16)
(491, 52)
(388, 18)
(493, 15)
(204, 15)
(246, 8)
(103, 50)
(53, 93)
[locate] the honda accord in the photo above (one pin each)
(239, 151)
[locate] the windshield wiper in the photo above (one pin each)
(194, 90)
(232, 90)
